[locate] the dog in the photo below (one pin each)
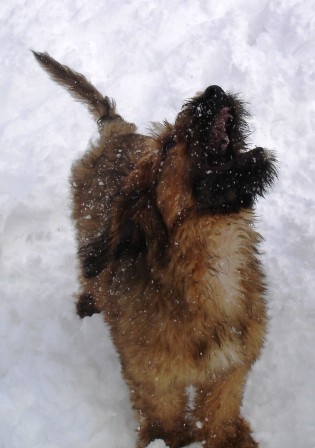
(169, 255)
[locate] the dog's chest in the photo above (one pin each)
(206, 311)
(209, 259)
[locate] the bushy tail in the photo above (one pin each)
(101, 107)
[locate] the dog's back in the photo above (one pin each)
(97, 178)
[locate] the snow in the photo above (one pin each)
(60, 376)
(158, 443)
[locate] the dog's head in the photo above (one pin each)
(207, 165)
(201, 164)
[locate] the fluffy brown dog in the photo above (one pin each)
(169, 255)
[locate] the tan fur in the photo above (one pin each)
(179, 282)
(201, 322)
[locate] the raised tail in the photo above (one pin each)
(101, 107)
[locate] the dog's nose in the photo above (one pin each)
(214, 93)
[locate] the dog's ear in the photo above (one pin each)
(139, 223)
(135, 227)
(95, 255)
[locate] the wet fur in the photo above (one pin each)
(168, 254)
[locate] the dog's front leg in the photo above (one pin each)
(217, 412)
(161, 411)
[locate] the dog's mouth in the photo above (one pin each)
(212, 127)
(219, 134)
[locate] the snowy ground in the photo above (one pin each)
(60, 381)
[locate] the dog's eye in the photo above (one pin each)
(168, 145)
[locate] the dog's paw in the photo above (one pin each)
(86, 306)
